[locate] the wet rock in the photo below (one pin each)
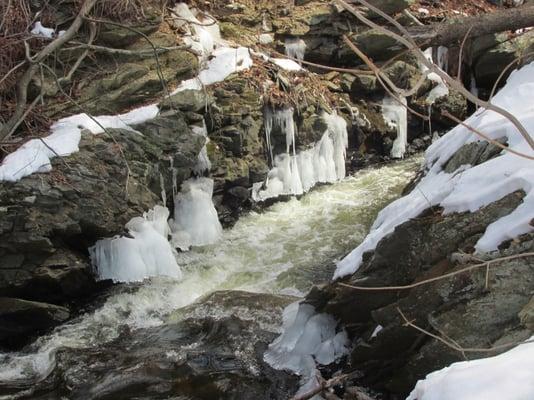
(21, 318)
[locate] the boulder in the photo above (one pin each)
(21, 318)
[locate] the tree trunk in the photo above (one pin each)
(453, 32)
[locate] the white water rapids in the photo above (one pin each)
(283, 250)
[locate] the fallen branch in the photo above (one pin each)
(326, 384)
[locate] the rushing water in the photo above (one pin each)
(281, 251)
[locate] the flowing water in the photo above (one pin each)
(145, 338)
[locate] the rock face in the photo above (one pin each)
(49, 220)
(479, 308)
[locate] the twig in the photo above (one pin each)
(323, 385)
(460, 55)
(437, 278)
(7, 130)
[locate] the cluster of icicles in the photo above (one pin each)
(295, 173)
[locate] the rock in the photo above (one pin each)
(187, 100)
(526, 315)
(456, 307)
(210, 350)
(21, 318)
(491, 62)
(474, 153)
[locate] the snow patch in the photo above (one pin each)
(508, 376)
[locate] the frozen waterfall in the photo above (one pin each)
(145, 254)
(296, 173)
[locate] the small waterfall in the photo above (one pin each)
(297, 173)
(145, 254)
(295, 48)
(195, 218)
(396, 116)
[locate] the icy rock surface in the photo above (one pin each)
(470, 187)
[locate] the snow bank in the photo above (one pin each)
(35, 155)
(307, 339)
(507, 376)
(147, 253)
(470, 188)
(296, 173)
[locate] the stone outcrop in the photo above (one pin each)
(47, 221)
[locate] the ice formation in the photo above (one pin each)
(147, 253)
(396, 116)
(295, 174)
(443, 58)
(195, 218)
(307, 339)
(295, 48)
(204, 34)
(441, 88)
(508, 376)
(471, 187)
(203, 162)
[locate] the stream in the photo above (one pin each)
(203, 337)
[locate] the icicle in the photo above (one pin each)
(295, 48)
(441, 88)
(443, 58)
(163, 192)
(195, 218)
(473, 88)
(147, 253)
(396, 116)
(203, 161)
(337, 128)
